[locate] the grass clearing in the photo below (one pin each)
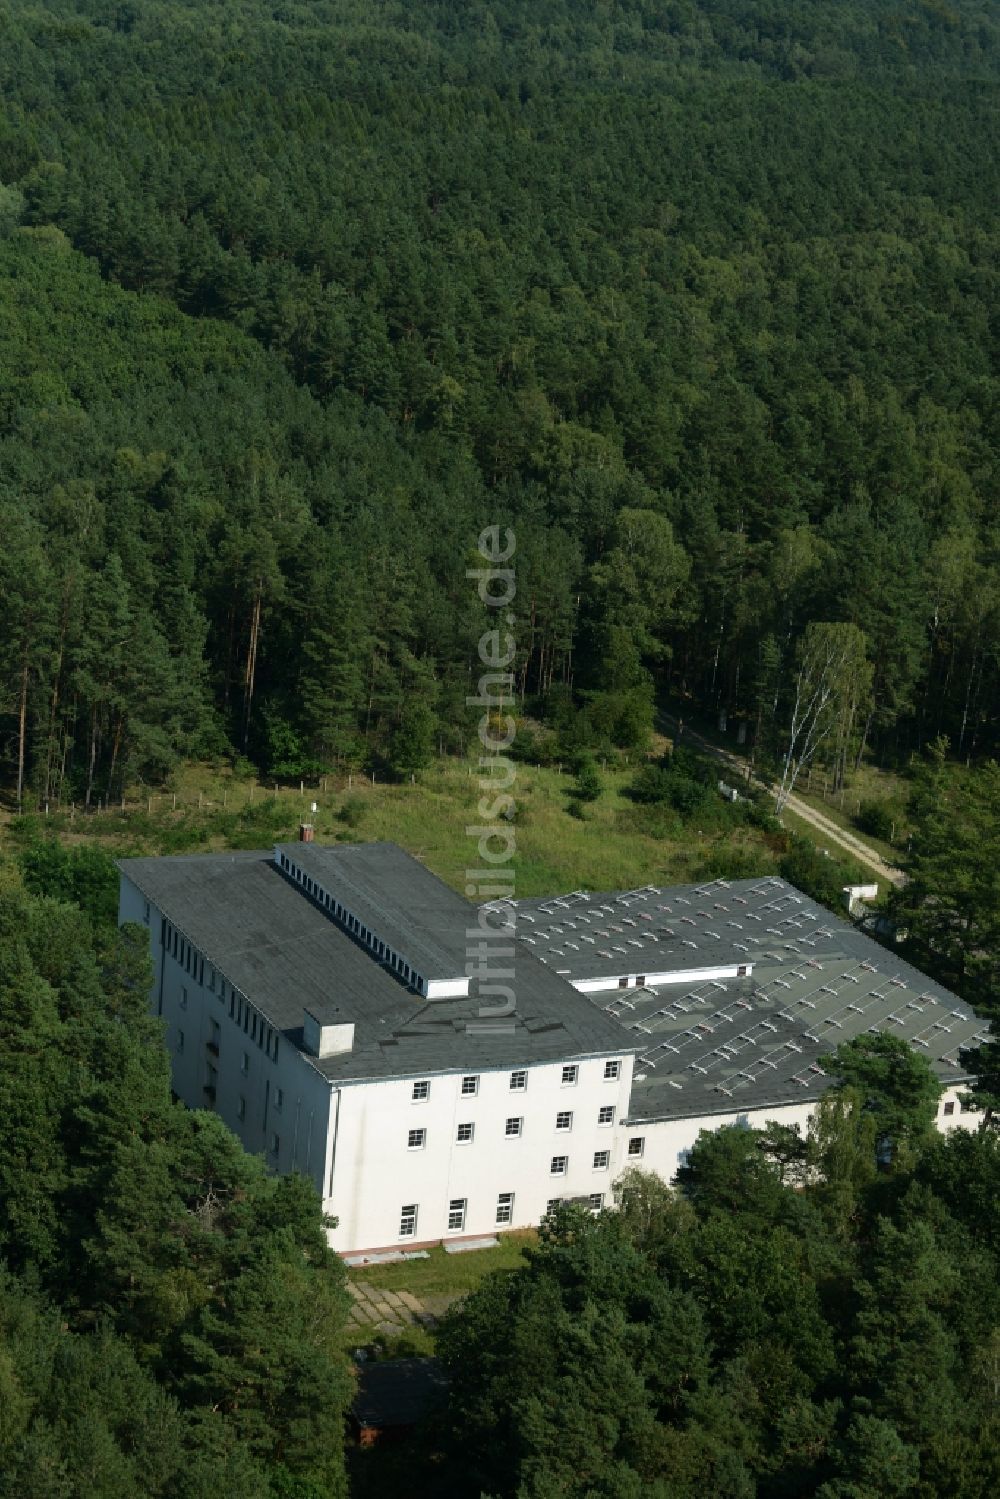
(448, 1274)
(610, 847)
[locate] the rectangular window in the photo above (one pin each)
(145, 913)
(241, 1110)
(456, 1215)
(640, 980)
(612, 1070)
(742, 971)
(470, 1087)
(636, 1146)
(279, 1098)
(949, 1107)
(518, 1082)
(564, 1120)
(623, 983)
(569, 1076)
(421, 1091)
(211, 980)
(596, 1201)
(551, 1206)
(465, 1134)
(408, 1221)
(512, 1128)
(245, 1064)
(559, 1165)
(602, 1160)
(184, 999)
(180, 1040)
(505, 1207)
(606, 1115)
(275, 1144)
(415, 1139)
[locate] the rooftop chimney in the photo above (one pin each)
(305, 832)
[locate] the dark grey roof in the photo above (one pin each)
(737, 1044)
(717, 1047)
(284, 953)
(396, 896)
(583, 935)
(399, 1391)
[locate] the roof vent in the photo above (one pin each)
(326, 1040)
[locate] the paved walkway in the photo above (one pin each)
(375, 1309)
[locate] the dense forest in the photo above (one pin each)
(170, 1314)
(764, 1331)
(699, 297)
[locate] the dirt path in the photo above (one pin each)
(830, 830)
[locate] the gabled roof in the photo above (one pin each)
(395, 895)
(656, 930)
(286, 954)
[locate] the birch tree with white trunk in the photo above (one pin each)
(832, 682)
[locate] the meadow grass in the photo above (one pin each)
(610, 847)
(448, 1274)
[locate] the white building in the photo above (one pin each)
(323, 1000)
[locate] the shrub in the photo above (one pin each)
(879, 819)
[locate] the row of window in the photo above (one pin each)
(417, 1139)
(465, 1133)
(458, 1212)
(595, 1201)
(351, 923)
(241, 1011)
(518, 1081)
(966, 1107)
(559, 1164)
(639, 981)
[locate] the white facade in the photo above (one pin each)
(660, 980)
(472, 1151)
(276, 1100)
(665, 1143)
